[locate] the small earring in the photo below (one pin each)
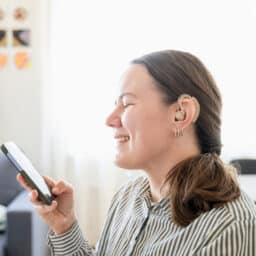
(178, 132)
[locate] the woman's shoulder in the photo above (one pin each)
(225, 222)
(219, 227)
(243, 208)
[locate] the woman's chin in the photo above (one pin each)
(120, 163)
(123, 162)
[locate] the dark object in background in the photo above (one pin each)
(245, 166)
(9, 187)
(3, 38)
(21, 37)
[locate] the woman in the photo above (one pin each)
(166, 122)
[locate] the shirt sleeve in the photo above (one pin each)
(70, 243)
(238, 239)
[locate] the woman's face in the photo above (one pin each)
(141, 121)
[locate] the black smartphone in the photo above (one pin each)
(24, 166)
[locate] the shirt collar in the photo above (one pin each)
(145, 194)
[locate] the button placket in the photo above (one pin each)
(134, 241)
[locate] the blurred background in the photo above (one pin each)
(58, 86)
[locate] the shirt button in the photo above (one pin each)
(132, 243)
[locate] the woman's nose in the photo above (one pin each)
(114, 120)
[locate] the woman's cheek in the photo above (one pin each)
(125, 119)
(131, 118)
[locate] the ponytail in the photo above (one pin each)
(199, 184)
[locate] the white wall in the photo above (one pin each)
(100, 37)
(21, 91)
(222, 36)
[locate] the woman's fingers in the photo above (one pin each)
(23, 182)
(49, 181)
(57, 188)
(33, 195)
(62, 187)
(43, 208)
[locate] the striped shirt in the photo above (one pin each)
(135, 227)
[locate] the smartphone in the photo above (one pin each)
(24, 166)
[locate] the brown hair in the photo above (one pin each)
(202, 182)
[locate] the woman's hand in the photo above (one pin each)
(60, 215)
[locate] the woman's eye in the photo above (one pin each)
(126, 105)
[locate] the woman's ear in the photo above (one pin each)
(187, 110)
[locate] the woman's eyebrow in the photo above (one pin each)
(127, 94)
(123, 95)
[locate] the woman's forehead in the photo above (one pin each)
(135, 79)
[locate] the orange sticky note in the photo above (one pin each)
(3, 60)
(22, 60)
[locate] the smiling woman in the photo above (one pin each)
(167, 123)
(189, 159)
(141, 116)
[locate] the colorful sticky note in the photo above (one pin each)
(21, 37)
(20, 14)
(3, 38)
(22, 60)
(3, 60)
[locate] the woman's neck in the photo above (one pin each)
(155, 188)
(157, 173)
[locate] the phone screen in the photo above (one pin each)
(23, 164)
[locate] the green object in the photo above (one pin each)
(2, 218)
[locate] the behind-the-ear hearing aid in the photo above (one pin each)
(181, 114)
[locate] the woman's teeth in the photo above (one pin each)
(123, 139)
